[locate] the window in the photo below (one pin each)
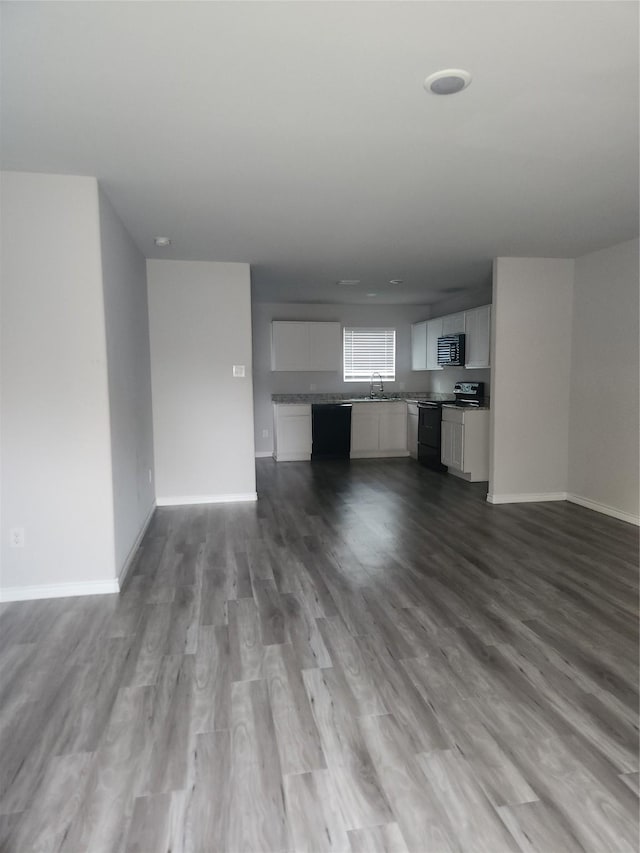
(367, 351)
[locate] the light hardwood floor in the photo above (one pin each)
(372, 658)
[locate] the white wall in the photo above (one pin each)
(200, 326)
(267, 383)
(55, 445)
(462, 301)
(532, 305)
(129, 372)
(604, 429)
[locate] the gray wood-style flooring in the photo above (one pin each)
(371, 658)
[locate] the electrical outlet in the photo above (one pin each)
(238, 371)
(16, 537)
(265, 433)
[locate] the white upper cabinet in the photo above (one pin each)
(478, 336)
(434, 331)
(424, 344)
(419, 346)
(297, 345)
(325, 346)
(453, 324)
(289, 346)
(474, 324)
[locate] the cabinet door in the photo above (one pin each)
(392, 433)
(457, 446)
(434, 331)
(289, 345)
(294, 434)
(364, 429)
(453, 324)
(446, 444)
(325, 346)
(412, 435)
(419, 346)
(478, 336)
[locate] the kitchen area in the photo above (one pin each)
(443, 425)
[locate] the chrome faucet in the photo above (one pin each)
(376, 388)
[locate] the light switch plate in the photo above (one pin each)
(238, 371)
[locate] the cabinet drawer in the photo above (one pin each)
(293, 410)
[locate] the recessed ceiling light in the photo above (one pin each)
(396, 281)
(447, 82)
(372, 294)
(162, 242)
(349, 282)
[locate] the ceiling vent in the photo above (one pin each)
(447, 82)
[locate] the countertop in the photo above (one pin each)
(466, 408)
(403, 397)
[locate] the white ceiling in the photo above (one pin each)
(298, 137)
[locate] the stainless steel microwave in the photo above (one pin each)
(451, 351)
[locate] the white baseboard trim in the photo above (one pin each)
(293, 457)
(378, 454)
(526, 497)
(187, 500)
(124, 571)
(59, 590)
(263, 454)
(605, 509)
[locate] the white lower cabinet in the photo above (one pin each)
(465, 442)
(365, 429)
(393, 429)
(291, 432)
(452, 445)
(378, 429)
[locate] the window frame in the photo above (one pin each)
(387, 371)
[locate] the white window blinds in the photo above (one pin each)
(368, 351)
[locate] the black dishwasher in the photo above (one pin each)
(330, 431)
(429, 435)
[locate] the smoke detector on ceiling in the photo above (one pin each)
(162, 242)
(450, 81)
(349, 282)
